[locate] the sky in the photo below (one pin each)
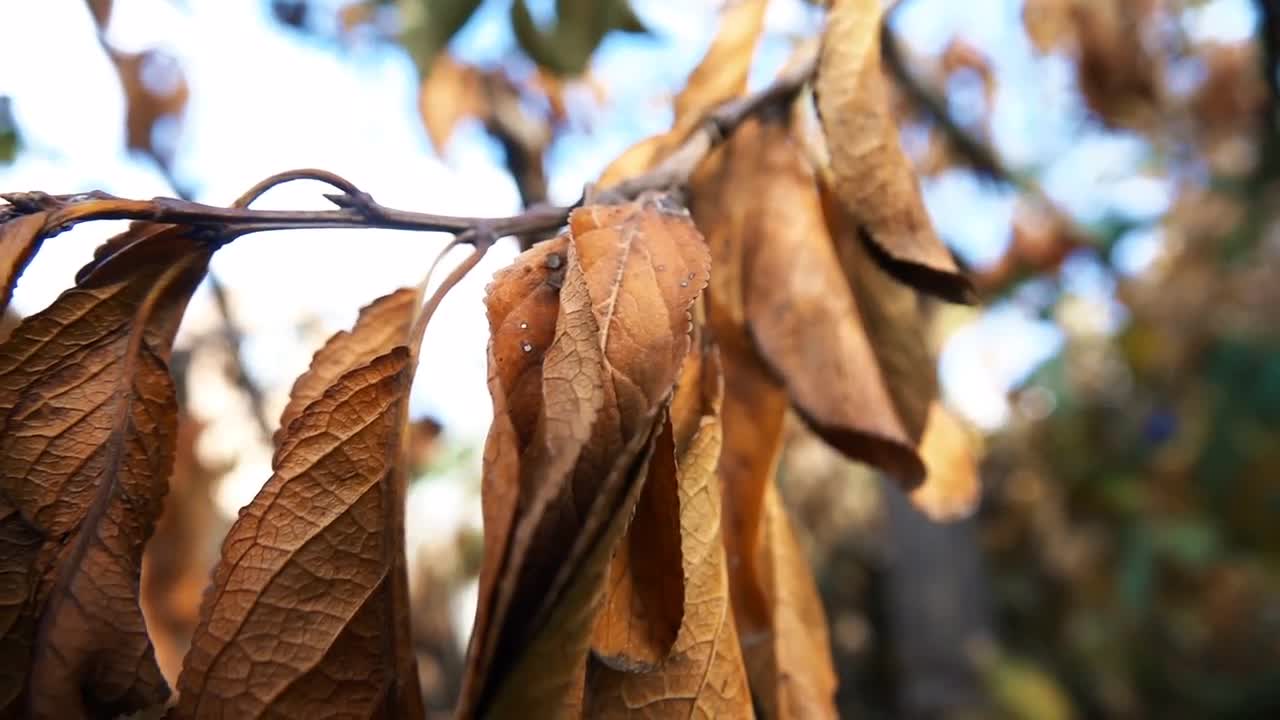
(264, 99)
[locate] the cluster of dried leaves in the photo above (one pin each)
(637, 559)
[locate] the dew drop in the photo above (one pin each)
(661, 268)
(524, 326)
(692, 276)
(684, 283)
(554, 261)
(526, 346)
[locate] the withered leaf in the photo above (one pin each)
(644, 602)
(952, 488)
(779, 276)
(308, 612)
(894, 319)
(381, 325)
(577, 406)
(88, 419)
(176, 562)
(871, 172)
(20, 239)
(703, 673)
(790, 661)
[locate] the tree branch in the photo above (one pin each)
(356, 209)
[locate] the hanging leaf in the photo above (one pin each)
(381, 325)
(88, 419)
(780, 283)
(870, 172)
(790, 660)
(728, 194)
(703, 672)
(310, 599)
(155, 89)
(588, 335)
(779, 617)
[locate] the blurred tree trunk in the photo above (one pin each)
(934, 596)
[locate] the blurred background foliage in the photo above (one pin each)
(1106, 168)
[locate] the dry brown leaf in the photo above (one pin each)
(704, 673)
(381, 325)
(842, 370)
(871, 173)
(852, 359)
(177, 559)
(722, 73)
(789, 661)
(895, 320)
(310, 598)
(633, 161)
(451, 92)
(86, 446)
(952, 487)
(728, 192)
(644, 604)
(20, 239)
(588, 335)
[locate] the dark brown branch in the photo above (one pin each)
(358, 210)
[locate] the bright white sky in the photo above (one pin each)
(264, 99)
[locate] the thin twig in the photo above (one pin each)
(358, 210)
(231, 332)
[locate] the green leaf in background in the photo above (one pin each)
(8, 132)
(429, 25)
(565, 48)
